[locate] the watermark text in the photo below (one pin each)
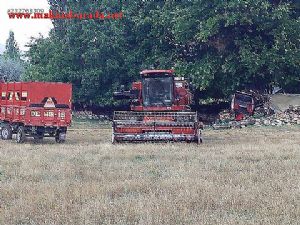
(39, 14)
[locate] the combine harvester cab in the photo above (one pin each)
(35, 109)
(160, 110)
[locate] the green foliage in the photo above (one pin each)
(12, 50)
(12, 68)
(244, 44)
(88, 53)
(220, 45)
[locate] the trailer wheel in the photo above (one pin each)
(6, 132)
(20, 138)
(60, 137)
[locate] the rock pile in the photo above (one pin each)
(291, 116)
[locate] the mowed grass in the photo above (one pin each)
(247, 176)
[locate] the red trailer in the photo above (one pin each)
(36, 109)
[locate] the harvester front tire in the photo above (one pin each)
(6, 132)
(113, 140)
(199, 137)
(200, 141)
(20, 138)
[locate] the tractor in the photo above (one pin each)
(247, 103)
(160, 110)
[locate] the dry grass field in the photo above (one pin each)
(248, 176)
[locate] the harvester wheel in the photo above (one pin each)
(199, 138)
(60, 137)
(113, 139)
(6, 132)
(20, 138)
(200, 141)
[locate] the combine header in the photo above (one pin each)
(160, 110)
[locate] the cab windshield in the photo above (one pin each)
(157, 91)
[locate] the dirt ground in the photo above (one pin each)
(247, 176)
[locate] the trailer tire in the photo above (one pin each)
(58, 137)
(6, 132)
(20, 138)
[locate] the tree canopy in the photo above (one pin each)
(220, 45)
(11, 66)
(12, 50)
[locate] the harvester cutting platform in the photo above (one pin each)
(160, 110)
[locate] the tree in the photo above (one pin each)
(88, 53)
(221, 46)
(12, 50)
(12, 68)
(239, 44)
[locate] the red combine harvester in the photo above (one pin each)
(160, 110)
(36, 109)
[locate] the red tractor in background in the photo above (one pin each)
(160, 110)
(36, 109)
(246, 103)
